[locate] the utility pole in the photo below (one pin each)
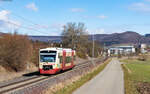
(105, 50)
(93, 50)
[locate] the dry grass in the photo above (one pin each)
(61, 85)
(6, 75)
(128, 83)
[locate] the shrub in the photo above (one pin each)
(119, 55)
(81, 54)
(15, 51)
(142, 57)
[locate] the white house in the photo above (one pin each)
(121, 49)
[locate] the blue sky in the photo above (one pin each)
(46, 17)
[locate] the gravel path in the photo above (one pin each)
(109, 81)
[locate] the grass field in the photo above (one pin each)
(70, 88)
(135, 71)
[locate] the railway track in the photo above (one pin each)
(28, 82)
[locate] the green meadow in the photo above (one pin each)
(135, 71)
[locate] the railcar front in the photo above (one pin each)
(48, 61)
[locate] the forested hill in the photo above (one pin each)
(108, 39)
(120, 38)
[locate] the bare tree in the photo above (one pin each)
(75, 36)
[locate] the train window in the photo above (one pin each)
(68, 59)
(43, 51)
(47, 58)
(47, 51)
(61, 59)
(74, 58)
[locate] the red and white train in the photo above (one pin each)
(53, 60)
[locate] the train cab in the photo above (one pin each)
(53, 60)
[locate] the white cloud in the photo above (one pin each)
(102, 17)
(6, 23)
(32, 6)
(4, 15)
(77, 10)
(141, 7)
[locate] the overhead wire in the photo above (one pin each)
(26, 20)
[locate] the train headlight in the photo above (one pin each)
(57, 65)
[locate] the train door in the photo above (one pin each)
(72, 59)
(64, 59)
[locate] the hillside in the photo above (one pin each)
(46, 38)
(108, 39)
(147, 35)
(119, 38)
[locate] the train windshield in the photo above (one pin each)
(48, 56)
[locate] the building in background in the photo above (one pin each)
(143, 48)
(121, 49)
